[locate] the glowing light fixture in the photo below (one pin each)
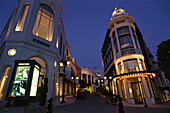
(105, 78)
(77, 78)
(55, 64)
(61, 64)
(12, 52)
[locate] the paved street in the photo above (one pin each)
(95, 104)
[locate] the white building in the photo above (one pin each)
(34, 31)
(127, 62)
(89, 76)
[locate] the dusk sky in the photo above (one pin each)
(86, 23)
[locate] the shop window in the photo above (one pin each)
(130, 88)
(21, 21)
(131, 66)
(125, 42)
(44, 23)
(43, 70)
(4, 80)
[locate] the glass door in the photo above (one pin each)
(136, 93)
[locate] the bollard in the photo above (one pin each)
(50, 105)
(121, 110)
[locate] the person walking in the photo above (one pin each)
(43, 94)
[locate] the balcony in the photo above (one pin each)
(128, 51)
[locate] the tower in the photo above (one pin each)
(125, 62)
(34, 31)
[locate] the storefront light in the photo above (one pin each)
(12, 52)
(55, 64)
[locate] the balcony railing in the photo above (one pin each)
(128, 51)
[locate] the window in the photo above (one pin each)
(115, 43)
(43, 70)
(4, 80)
(142, 66)
(123, 30)
(21, 21)
(120, 68)
(61, 43)
(126, 42)
(44, 23)
(136, 42)
(114, 36)
(58, 35)
(131, 66)
(148, 87)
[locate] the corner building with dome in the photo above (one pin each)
(128, 63)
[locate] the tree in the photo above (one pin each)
(163, 57)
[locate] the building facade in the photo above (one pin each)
(89, 76)
(34, 31)
(127, 65)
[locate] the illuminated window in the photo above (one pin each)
(130, 89)
(126, 42)
(43, 70)
(131, 66)
(21, 21)
(4, 80)
(44, 23)
(58, 35)
(120, 68)
(142, 64)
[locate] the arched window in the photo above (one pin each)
(44, 23)
(43, 68)
(21, 21)
(4, 80)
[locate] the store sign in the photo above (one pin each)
(34, 83)
(20, 81)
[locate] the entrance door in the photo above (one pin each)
(137, 93)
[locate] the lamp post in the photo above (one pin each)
(74, 85)
(63, 64)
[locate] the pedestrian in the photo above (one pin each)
(43, 94)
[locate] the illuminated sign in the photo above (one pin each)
(34, 82)
(20, 81)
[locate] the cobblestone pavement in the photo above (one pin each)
(95, 104)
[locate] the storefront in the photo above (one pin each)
(135, 88)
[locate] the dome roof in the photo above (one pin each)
(118, 11)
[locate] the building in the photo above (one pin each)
(34, 31)
(89, 77)
(128, 64)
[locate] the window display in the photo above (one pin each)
(20, 81)
(34, 82)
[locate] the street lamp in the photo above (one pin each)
(63, 64)
(74, 87)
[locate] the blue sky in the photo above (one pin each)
(86, 23)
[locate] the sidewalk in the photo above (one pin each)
(163, 105)
(34, 107)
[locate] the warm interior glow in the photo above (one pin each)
(77, 77)
(105, 78)
(110, 77)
